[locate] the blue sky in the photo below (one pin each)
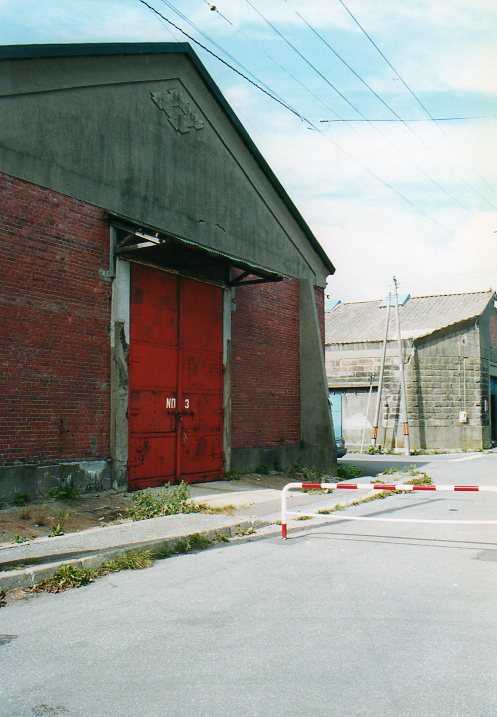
(417, 198)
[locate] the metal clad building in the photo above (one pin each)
(161, 296)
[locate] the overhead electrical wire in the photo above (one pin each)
(297, 114)
(426, 110)
(219, 47)
(405, 120)
(224, 62)
(356, 109)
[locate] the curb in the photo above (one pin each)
(30, 575)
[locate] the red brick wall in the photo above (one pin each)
(266, 365)
(54, 322)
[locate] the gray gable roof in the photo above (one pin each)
(420, 316)
(82, 50)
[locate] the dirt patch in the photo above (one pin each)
(35, 520)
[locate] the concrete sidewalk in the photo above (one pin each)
(257, 507)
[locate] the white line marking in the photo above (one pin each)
(466, 458)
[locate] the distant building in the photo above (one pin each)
(450, 358)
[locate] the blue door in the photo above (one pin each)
(335, 399)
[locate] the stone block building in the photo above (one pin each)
(450, 360)
(161, 297)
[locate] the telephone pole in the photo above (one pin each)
(376, 420)
(403, 397)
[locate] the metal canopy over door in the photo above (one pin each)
(175, 414)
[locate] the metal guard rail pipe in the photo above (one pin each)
(394, 487)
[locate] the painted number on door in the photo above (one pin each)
(170, 403)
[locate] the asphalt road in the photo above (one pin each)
(443, 468)
(350, 619)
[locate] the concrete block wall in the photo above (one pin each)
(54, 314)
(444, 376)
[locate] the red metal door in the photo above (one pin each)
(175, 413)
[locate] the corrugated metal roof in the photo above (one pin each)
(422, 315)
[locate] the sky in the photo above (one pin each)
(379, 117)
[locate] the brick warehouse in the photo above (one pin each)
(161, 297)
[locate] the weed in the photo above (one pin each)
(232, 475)
(3, 601)
(381, 495)
(167, 502)
(317, 491)
(304, 517)
(66, 577)
(58, 526)
(309, 475)
(376, 480)
(277, 522)
(423, 479)
(348, 470)
(65, 491)
(262, 469)
(19, 538)
(247, 531)
(21, 499)
(367, 499)
(373, 450)
(389, 472)
(220, 538)
(196, 541)
(41, 518)
(72, 576)
(227, 509)
(133, 560)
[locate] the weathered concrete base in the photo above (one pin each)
(280, 458)
(38, 481)
(277, 458)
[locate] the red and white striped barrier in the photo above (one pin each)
(394, 487)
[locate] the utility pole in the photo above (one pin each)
(374, 428)
(403, 397)
(371, 379)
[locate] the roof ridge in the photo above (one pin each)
(423, 296)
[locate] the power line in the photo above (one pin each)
(421, 104)
(406, 120)
(398, 117)
(297, 114)
(302, 56)
(272, 59)
(219, 47)
(213, 54)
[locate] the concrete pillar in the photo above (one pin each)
(318, 449)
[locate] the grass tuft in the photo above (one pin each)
(422, 479)
(133, 560)
(66, 577)
(346, 471)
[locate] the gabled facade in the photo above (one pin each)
(450, 361)
(161, 295)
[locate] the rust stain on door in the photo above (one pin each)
(176, 380)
